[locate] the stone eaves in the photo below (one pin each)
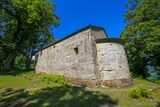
(112, 40)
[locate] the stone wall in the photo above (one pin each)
(88, 58)
(113, 64)
(73, 57)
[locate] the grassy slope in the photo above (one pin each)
(17, 91)
(124, 100)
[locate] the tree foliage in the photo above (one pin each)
(25, 26)
(142, 35)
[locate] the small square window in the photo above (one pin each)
(76, 50)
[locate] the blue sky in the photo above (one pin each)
(75, 14)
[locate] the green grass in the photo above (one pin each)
(19, 89)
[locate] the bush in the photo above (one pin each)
(28, 75)
(135, 94)
(52, 78)
(145, 93)
(20, 61)
(141, 92)
(47, 78)
(157, 81)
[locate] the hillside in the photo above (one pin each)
(29, 89)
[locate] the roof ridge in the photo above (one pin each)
(73, 33)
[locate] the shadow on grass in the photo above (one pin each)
(14, 72)
(63, 96)
(158, 104)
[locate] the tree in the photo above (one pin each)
(142, 35)
(2, 56)
(32, 47)
(23, 23)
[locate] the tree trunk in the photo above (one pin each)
(28, 63)
(8, 61)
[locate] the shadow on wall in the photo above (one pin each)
(64, 96)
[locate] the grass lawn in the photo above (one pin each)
(17, 91)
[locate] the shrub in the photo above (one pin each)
(144, 92)
(47, 78)
(154, 80)
(52, 78)
(28, 75)
(141, 92)
(135, 94)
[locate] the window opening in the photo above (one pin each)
(76, 50)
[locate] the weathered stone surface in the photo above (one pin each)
(85, 61)
(83, 82)
(112, 61)
(154, 88)
(118, 83)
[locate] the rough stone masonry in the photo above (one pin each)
(87, 58)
